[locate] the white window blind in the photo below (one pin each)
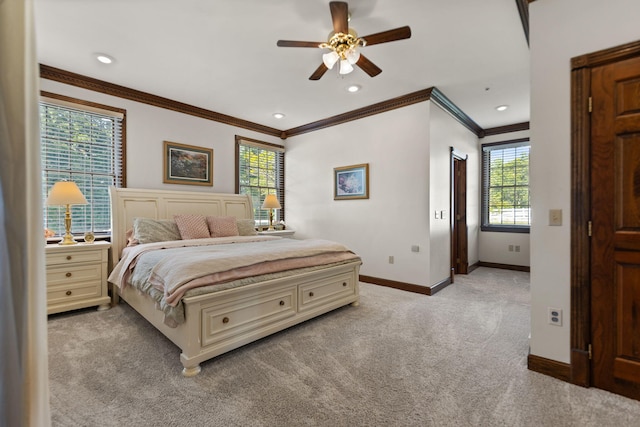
(82, 144)
(506, 204)
(260, 171)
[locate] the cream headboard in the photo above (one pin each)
(128, 203)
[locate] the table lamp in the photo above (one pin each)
(271, 202)
(66, 193)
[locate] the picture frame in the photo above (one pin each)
(187, 164)
(351, 182)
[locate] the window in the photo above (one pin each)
(81, 142)
(260, 171)
(505, 186)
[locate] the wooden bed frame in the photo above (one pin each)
(220, 322)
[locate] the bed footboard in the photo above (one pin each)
(225, 320)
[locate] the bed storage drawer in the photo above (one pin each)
(229, 319)
(319, 292)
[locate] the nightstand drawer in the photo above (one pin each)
(60, 276)
(73, 292)
(75, 257)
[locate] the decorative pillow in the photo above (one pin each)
(246, 227)
(130, 240)
(148, 230)
(192, 226)
(222, 226)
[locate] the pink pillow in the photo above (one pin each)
(222, 226)
(192, 226)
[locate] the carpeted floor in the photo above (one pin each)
(399, 359)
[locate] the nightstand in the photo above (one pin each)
(77, 276)
(281, 233)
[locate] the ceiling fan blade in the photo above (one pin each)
(339, 14)
(294, 43)
(368, 66)
(388, 36)
(319, 72)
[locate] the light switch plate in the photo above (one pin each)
(555, 217)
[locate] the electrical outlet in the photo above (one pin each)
(555, 316)
(390, 259)
(517, 247)
(510, 248)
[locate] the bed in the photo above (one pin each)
(213, 323)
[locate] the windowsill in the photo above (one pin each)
(79, 238)
(504, 229)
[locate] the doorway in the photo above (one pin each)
(605, 273)
(459, 245)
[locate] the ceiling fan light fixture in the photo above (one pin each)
(345, 67)
(330, 59)
(352, 55)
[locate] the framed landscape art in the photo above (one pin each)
(351, 182)
(187, 164)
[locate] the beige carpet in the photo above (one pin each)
(399, 359)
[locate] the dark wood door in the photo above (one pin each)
(615, 212)
(459, 250)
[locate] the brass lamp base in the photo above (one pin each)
(67, 239)
(270, 221)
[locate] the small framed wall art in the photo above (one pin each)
(351, 182)
(187, 164)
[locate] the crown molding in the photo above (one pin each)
(429, 94)
(523, 11)
(451, 108)
(85, 82)
(361, 113)
(506, 129)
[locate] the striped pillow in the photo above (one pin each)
(222, 226)
(149, 230)
(192, 226)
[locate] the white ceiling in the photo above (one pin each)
(221, 55)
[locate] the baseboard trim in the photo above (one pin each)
(439, 286)
(425, 290)
(474, 266)
(552, 368)
(504, 266)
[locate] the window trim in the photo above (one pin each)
(484, 225)
(241, 140)
(92, 107)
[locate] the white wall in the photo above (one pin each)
(445, 133)
(560, 30)
(148, 127)
(494, 246)
(396, 215)
(409, 158)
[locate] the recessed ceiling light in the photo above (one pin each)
(502, 107)
(105, 59)
(353, 88)
(278, 115)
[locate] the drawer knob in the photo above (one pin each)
(68, 274)
(281, 302)
(68, 293)
(344, 283)
(225, 320)
(68, 257)
(310, 294)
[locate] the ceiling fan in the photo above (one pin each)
(343, 44)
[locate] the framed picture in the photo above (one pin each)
(187, 164)
(351, 182)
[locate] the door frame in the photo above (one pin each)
(464, 256)
(580, 341)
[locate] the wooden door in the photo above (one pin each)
(615, 212)
(459, 249)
